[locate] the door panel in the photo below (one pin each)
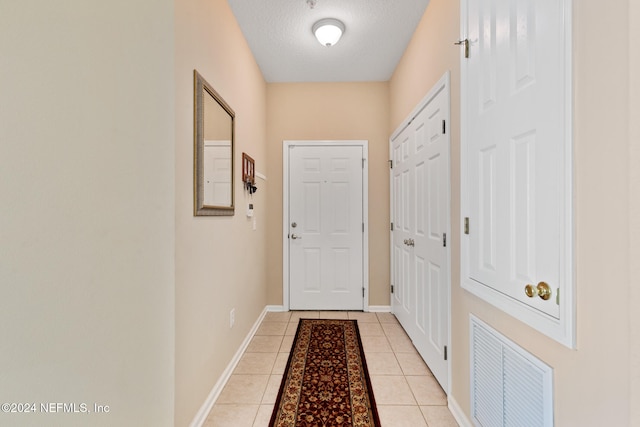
(403, 208)
(326, 242)
(516, 145)
(430, 190)
(432, 323)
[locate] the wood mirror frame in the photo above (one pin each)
(214, 126)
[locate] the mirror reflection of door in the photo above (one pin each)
(217, 154)
(217, 173)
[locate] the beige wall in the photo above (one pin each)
(113, 293)
(220, 261)
(87, 220)
(329, 111)
(602, 172)
(634, 209)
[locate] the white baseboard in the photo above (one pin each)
(458, 413)
(201, 416)
(380, 308)
(372, 308)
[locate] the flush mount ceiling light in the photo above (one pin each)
(328, 31)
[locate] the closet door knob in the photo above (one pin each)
(543, 290)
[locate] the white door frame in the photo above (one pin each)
(285, 209)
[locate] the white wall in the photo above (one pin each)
(86, 210)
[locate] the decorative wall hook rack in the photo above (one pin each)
(249, 173)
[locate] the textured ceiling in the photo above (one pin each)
(376, 35)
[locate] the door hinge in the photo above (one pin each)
(363, 227)
(390, 164)
(392, 288)
(464, 43)
(362, 292)
(362, 163)
(444, 239)
(444, 127)
(445, 352)
(391, 226)
(466, 225)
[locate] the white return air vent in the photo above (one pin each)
(509, 386)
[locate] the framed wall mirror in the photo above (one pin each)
(213, 151)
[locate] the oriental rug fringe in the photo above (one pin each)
(326, 383)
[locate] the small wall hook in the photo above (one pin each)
(464, 43)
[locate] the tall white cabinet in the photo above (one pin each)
(516, 202)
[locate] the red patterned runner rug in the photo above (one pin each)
(326, 383)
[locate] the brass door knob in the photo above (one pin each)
(542, 290)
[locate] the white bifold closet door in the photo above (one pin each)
(420, 205)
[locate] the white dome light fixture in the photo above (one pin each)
(328, 31)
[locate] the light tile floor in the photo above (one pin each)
(405, 391)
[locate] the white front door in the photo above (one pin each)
(421, 208)
(515, 148)
(325, 227)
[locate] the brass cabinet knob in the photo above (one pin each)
(542, 290)
(530, 291)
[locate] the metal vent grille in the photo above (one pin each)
(509, 386)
